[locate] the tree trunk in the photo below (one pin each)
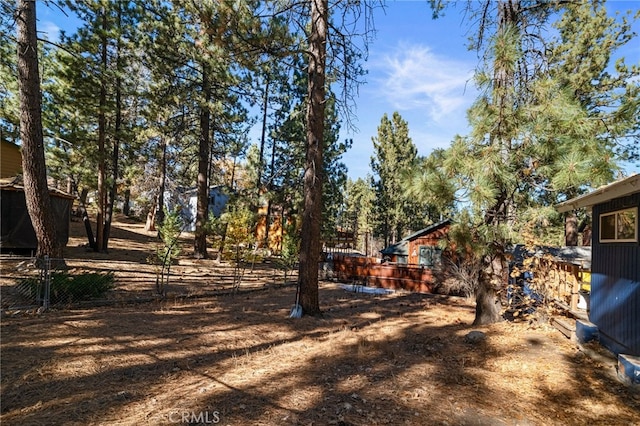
(261, 163)
(492, 279)
(267, 220)
(223, 237)
(36, 190)
(202, 209)
(272, 171)
(159, 216)
(263, 138)
(311, 216)
(149, 225)
(487, 305)
(571, 229)
(126, 208)
(102, 136)
(85, 218)
(495, 275)
(113, 191)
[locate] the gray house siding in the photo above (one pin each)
(615, 284)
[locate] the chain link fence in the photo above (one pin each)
(42, 283)
(30, 284)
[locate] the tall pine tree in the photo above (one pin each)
(394, 154)
(33, 160)
(537, 137)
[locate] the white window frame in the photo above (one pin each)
(433, 258)
(616, 214)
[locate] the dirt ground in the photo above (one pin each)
(201, 357)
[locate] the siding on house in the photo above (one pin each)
(187, 202)
(408, 250)
(412, 260)
(370, 271)
(615, 284)
(430, 240)
(10, 160)
(276, 232)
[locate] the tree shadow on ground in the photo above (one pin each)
(594, 379)
(394, 359)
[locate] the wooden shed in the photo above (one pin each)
(419, 248)
(16, 228)
(615, 263)
(406, 265)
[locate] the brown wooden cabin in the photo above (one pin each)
(406, 265)
(419, 248)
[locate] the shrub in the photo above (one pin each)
(169, 232)
(69, 288)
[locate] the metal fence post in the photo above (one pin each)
(47, 282)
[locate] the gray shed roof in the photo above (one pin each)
(401, 248)
(575, 255)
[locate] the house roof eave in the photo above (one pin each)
(620, 188)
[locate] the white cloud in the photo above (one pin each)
(48, 30)
(413, 77)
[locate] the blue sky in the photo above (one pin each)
(417, 66)
(421, 68)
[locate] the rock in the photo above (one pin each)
(474, 337)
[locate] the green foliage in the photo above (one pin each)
(433, 186)
(240, 221)
(290, 249)
(358, 215)
(545, 128)
(394, 153)
(9, 120)
(286, 143)
(335, 172)
(70, 288)
(582, 62)
(214, 225)
(169, 232)
(539, 135)
(100, 58)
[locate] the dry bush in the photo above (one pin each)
(458, 277)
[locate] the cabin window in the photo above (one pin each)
(429, 256)
(619, 226)
(402, 260)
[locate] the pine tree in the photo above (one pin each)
(394, 154)
(538, 136)
(580, 63)
(358, 215)
(33, 161)
(9, 109)
(313, 178)
(335, 171)
(90, 70)
(322, 40)
(201, 50)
